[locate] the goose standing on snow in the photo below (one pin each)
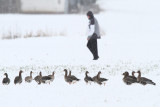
(127, 79)
(29, 78)
(46, 79)
(87, 78)
(102, 80)
(74, 78)
(143, 80)
(66, 78)
(95, 79)
(6, 80)
(38, 78)
(52, 77)
(133, 76)
(18, 79)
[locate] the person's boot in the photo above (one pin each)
(96, 58)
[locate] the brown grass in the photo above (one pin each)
(39, 33)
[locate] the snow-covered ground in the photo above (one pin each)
(130, 41)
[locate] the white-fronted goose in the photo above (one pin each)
(52, 77)
(18, 79)
(127, 79)
(46, 79)
(74, 78)
(95, 79)
(6, 80)
(101, 80)
(143, 80)
(87, 78)
(132, 76)
(29, 78)
(38, 78)
(66, 78)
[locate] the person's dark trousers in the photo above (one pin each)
(92, 45)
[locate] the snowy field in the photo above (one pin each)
(130, 41)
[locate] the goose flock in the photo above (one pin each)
(71, 79)
(132, 79)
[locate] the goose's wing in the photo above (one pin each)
(103, 79)
(86, 79)
(74, 78)
(94, 78)
(4, 81)
(147, 81)
(16, 79)
(128, 80)
(90, 78)
(132, 77)
(27, 78)
(46, 78)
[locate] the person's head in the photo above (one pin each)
(90, 15)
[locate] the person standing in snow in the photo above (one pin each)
(93, 35)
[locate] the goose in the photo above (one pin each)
(101, 80)
(133, 76)
(95, 79)
(143, 80)
(66, 78)
(87, 78)
(18, 79)
(29, 78)
(46, 79)
(74, 78)
(52, 77)
(6, 80)
(38, 78)
(127, 79)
